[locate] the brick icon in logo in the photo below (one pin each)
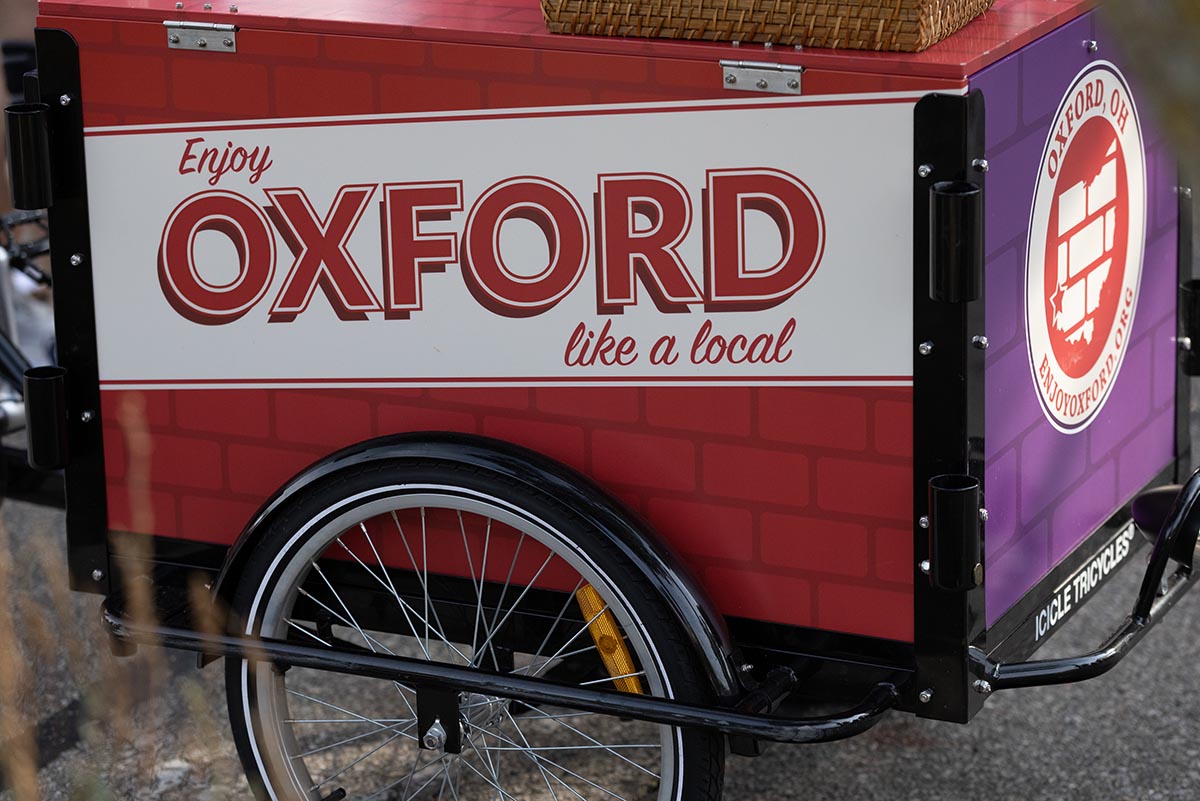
(1086, 236)
(1087, 247)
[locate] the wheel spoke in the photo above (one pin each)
(355, 738)
(361, 759)
(559, 720)
(552, 764)
(517, 603)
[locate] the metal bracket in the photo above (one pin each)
(201, 36)
(762, 76)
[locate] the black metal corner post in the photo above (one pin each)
(59, 85)
(948, 362)
(1188, 327)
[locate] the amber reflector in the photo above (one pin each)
(610, 644)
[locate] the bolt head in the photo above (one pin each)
(173, 38)
(1186, 191)
(793, 83)
(983, 515)
(97, 574)
(981, 165)
(761, 83)
(87, 415)
(926, 696)
(76, 259)
(227, 42)
(924, 521)
(64, 100)
(767, 45)
(925, 348)
(731, 78)
(980, 342)
(925, 566)
(1091, 45)
(1185, 343)
(925, 170)
(736, 43)
(982, 686)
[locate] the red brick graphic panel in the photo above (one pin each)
(791, 505)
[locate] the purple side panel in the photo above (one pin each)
(1047, 491)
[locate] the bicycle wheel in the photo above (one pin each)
(440, 561)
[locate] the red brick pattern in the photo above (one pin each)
(810, 534)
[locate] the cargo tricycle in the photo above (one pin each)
(534, 414)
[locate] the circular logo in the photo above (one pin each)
(1086, 236)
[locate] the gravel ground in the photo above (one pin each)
(154, 727)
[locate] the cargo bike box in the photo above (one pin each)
(477, 390)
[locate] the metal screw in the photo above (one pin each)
(173, 38)
(925, 170)
(435, 737)
(179, 5)
(233, 9)
(76, 259)
(925, 348)
(87, 415)
(983, 515)
(1091, 45)
(926, 696)
(981, 165)
(731, 78)
(980, 342)
(767, 45)
(201, 43)
(1185, 343)
(793, 83)
(797, 47)
(981, 686)
(64, 100)
(746, 668)
(227, 42)
(97, 574)
(923, 522)
(208, 6)
(1186, 191)
(761, 83)
(924, 566)
(736, 43)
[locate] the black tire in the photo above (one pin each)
(360, 513)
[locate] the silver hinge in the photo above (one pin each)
(201, 36)
(762, 76)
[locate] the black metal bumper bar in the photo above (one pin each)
(1157, 595)
(440, 676)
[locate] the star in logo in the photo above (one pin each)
(1055, 300)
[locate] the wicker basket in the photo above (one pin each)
(909, 25)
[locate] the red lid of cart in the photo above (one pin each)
(1000, 31)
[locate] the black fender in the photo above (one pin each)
(658, 565)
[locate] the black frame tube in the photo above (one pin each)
(1154, 599)
(46, 415)
(955, 241)
(441, 676)
(955, 547)
(29, 155)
